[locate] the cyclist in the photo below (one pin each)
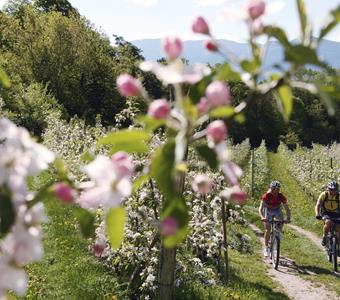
(328, 206)
(271, 207)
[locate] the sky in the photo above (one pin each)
(141, 19)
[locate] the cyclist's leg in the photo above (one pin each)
(327, 225)
(266, 224)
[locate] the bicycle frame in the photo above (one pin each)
(332, 244)
(274, 241)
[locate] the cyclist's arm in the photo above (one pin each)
(318, 205)
(288, 214)
(262, 210)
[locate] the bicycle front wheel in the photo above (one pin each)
(275, 252)
(335, 247)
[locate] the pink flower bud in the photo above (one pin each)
(159, 109)
(128, 86)
(172, 47)
(168, 226)
(200, 26)
(63, 192)
(202, 184)
(210, 45)
(218, 93)
(99, 247)
(255, 8)
(203, 105)
(235, 194)
(216, 131)
(123, 162)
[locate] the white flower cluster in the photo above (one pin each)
(21, 238)
(313, 168)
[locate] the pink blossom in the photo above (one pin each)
(235, 194)
(128, 86)
(99, 247)
(203, 105)
(159, 109)
(255, 8)
(168, 226)
(232, 172)
(211, 45)
(172, 47)
(63, 192)
(257, 27)
(218, 93)
(199, 25)
(123, 162)
(202, 184)
(216, 131)
(11, 278)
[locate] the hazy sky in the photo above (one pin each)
(137, 19)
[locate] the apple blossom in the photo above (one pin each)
(211, 45)
(123, 162)
(159, 109)
(200, 25)
(235, 194)
(218, 93)
(203, 106)
(168, 226)
(128, 86)
(172, 47)
(63, 192)
(216, 131)
(202, 184)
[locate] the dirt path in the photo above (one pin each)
(287, 275)
(312, 236)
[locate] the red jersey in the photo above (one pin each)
(272, 200)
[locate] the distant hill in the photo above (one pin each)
(195, 52)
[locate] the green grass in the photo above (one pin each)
(68, 269)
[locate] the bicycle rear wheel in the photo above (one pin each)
(335, 248)
(329, 249)
(275, 252)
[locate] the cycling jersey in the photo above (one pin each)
(273, 201)
(330, 203)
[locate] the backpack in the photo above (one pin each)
(336, 200)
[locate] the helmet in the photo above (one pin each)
(275, 184)
(333, 185)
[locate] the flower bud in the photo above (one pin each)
(172, 47)
(216, 131)
(159, 109)
(257, 27)
(210, 45)
(123, 162)
(168, 226)
(218, 93)
(99, 247)
(200, 26)
(63, 192)
(202, 184)
(255, 8)
(235, 194)
(128, 86)
(203, 106)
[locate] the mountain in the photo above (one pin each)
(195, 52)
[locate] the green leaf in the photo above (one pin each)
(7, 211)
(115, 222)
(140, 181)
(209, 155)
(302, 55)
(225, 72)
(222, 112)
(43, 194)
(249, 66)
(190, 109)
(324, 92)
(61, 168)
(86, 221)
(87, 157)
(286, 97)
(303, 17)
(150, 124)
(240, 118)
(4, 80)
(173, 240)
(131, 141)
(331, 23)
(278, 33)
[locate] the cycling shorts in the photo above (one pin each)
(328, 215)
(271, 213)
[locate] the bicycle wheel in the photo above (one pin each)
(275, 252)
(335, 247)
(329, 249)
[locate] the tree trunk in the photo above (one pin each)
(167, 266)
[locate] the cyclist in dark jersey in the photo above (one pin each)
(270, 207)
(327, 207)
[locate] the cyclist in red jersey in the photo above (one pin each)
(270, 207)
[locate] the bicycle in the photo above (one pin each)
(274, 241)
(332, 245)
